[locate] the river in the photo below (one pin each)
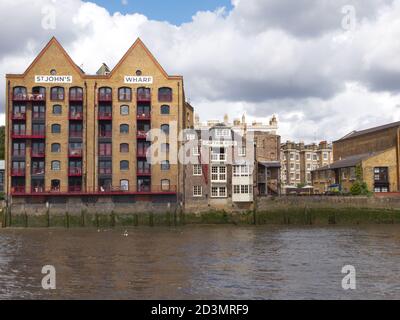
(202, 262)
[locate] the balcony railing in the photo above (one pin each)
(38, 116)
(75, 134)
(38, 171)
(37, 153)
(29, 97)
(143, 116)
(142, 153)
(19, 134)
(75, 153)
(17, 172)
(38, 134)
(143, 96)
(76, 97)
(105, 115)
(75, 115)
(74, 189)
(105, 170)
(144, 171)
(18, 189)
(105, 97)
(141, 134)
(18, 153)
(105, 134)
(38, 189)
(74, 171)
(19, 116)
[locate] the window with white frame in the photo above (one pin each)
(243, 189)
(242, 151)
(197, 191)
(325, 156)
(241, 171)
(218, 192)
(197, 170)
(196, 151)
(218, 173)
(218, 154)
(222, 132)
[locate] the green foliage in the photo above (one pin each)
(301, 185)
(359, 188)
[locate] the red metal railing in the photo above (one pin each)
(75, 115)
(18, 189)
(105, 134)
(144, 171)
(18, 153)
(141, 134)
(74, 171)
(37, 153)
(38, 189)
(105, 97)
(38, 115)
(38, 134)
(29, 97)
(75, 153)
(38, 171)
(17, 172)
(105, 170)
(75, 134)
(76, 96)
(142, 153)
(74, 189)
(18, 133)
(19, 116)
(105, 115)
(143, 116)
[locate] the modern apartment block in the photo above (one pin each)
(299, 160)
(75, 134)
(230, 163)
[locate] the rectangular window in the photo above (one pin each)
(105, 149)
(218, 173)
(218, 192)
(196, 151)
(197, 170)
(197, 191)
(242, 151)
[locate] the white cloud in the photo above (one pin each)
(263, 57)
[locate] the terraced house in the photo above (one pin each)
(72, 134)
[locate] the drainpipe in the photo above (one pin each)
(7, 173)
(94, 137)
(86, 136)
(178, 198)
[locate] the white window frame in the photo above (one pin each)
(218, 173)
(197, 191)
(197, 170)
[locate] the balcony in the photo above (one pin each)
(37, 153)
(75, 134)
(105, 115)
(142, 153)
(144, 96)
(143, 116)
(18, 189)
(38, 116)
(17, 172)
(38, 134)
(106, 171)
(76, 97)
(144, 172)
(74, 172)
(29, 97)
(19, 116)
(105, 134)
(38, 171)
(105, 97)
(75, 153)
(141, 134)
(38, 189)
(75, 115)
(19, 134)
(74, 189)
(18, 153)
(157, 189)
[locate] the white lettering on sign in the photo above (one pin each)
(53, 79)
(138, 80)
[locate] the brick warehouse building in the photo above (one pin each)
(71, 134)
(375, 151)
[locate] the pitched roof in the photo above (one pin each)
(370, 130)
(347, 162)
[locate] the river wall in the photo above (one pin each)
(102, 213)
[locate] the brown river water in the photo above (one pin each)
(202, 262)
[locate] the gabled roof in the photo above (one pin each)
(53, 41)
(370, 130)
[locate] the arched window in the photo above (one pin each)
(124, 110)
(55, 128)
(20, 93)
(124, 128)
(39, 93)
(165, 128)
(76, 94)
(143, 94)
(57, 93)
(105, 94)
(124, 185)
(165, 185)
(164, 109)
(165, 147)
(124, 148)
(125, 94)
(55, 147)
(165, 94)
(56, 165)
(165, 165)
(124, 165)
(57, 109)
(55, 185)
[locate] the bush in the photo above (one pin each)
(359, 189)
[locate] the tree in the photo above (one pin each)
(359, 187)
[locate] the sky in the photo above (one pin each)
(324, 68)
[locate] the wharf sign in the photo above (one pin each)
(53, 79)
(138, 80)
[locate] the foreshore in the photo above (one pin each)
(315, 210)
